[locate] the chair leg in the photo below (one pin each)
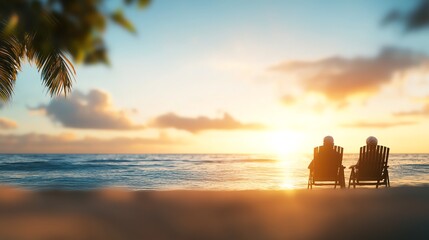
(310, 184)
(378, 182)
(385, 181)
(388, 179)
(351, 178)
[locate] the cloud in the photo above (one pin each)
(87, 111)
(201, 123)
(337, 78)
(422, 112)
(7, 124)
(415, 19)
(363, 124)
(69, 143)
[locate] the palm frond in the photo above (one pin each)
(56, 70)
(29, 48)
(11, 53)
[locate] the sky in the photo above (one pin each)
(236, 77)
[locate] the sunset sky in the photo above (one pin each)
(237, 77)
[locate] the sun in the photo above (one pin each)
(283, 143)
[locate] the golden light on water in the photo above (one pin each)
(287, 163)
(288, 183)
(287, 149)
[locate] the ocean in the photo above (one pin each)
(184, 171)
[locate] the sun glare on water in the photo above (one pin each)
(286, 146)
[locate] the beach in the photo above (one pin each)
(114, 213)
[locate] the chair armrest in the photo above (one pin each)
(310, 166)
(310, 172)
(353, 166)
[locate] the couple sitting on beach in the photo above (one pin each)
(370, 169)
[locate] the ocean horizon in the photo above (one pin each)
(185, 171)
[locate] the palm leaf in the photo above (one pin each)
(143, 3)
(119, 18)
(11, 53)
(140, 3)
(29, 49)
(56, 70)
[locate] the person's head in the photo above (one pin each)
(371, 141)
(328, 141)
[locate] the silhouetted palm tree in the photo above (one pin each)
(49, 33)
(56, 69)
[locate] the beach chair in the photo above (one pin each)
(326, 168)
(372, 168)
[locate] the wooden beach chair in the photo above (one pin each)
(372, 168)
(326, 168)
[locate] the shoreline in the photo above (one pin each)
(395, 213)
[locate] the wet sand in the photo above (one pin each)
(395, 213)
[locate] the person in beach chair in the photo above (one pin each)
(371, 168)
(326, 167)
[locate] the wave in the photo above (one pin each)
(244, 160)
(415, 166)
(109, 161)
(50, 166)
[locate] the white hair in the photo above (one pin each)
(328, 140)
(371, 141)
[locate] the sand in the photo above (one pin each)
(395, 213)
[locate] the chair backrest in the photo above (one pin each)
(371, 162)
(327, 162)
